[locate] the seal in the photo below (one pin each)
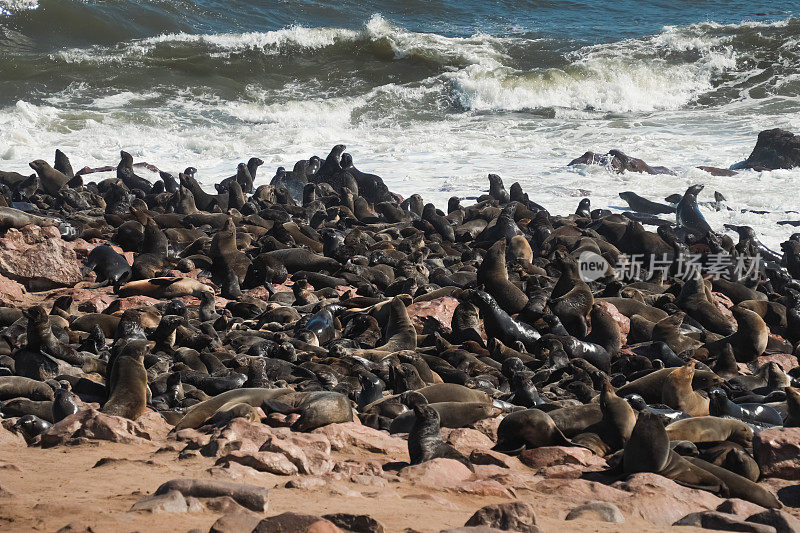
(499, 324)
(677, 392)
(51, 180)
(643, 205)
(752, 413)
(127, 384)
(739, 486)
(494, 276)
(528, 429)
(711, 429)
(64, 403)
(126, 174)
(22, 387)
(172, 287)
(650, 386)
(451, 415)
(748, 341)
(424, 440)
(110, 267)
(316, 408)
(688, 213)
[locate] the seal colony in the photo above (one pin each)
(302, 303)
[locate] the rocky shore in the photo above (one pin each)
(318, 354)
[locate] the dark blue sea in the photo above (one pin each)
(432, 95)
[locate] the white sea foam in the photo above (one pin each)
(9, 7)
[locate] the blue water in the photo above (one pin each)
(431, 95)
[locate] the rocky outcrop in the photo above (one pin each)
(775, 148)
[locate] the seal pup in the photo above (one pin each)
(424, 440)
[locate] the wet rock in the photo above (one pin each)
(295, 523)
(777, 452)
(169, 502)
(722, 521)
(775, 148)
(516, 516)
(252, 497)
(602, 511)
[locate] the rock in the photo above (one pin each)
(439, 472)
(482, 487)
(356, 435)
(307, 453)
(154, 424)
(619, 162)
(517, 516)
(781, 521)
(559, 455)
(475, 529)
(295, 523)
(488, 426)
(489, 457)
(92, 424)
(466, 439)
(661, 501)
(306, 483)
(440, 309)
(739, 507)
(775, 148)
(786, 361)
(252, 497)
(11, 292)
(271, 462)
(601, 511)
(235, 522)
(777, 452)
(722, 521)
(39, 258)
(238, 435)
(170, 502)
(76, 527)
(355, 523)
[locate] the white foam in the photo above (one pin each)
(9, 7)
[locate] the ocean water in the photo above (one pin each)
(431, 95)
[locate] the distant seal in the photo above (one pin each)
(197, 414)
(127, 384)
(172, 287)
(22, 387)
(424, 440)
(689, 215)
(643, 205)
(51, 179)
(126, 174)
(451, 415)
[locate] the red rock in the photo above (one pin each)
(440, 309)
(92, 424)
(238, 434)
(488, 426)
(483, 487)
(739, 507)
(39, 258)
(623, 322)
(356, 435)
(441, 473)
(154, 424)
(11, 292)
(516, 515)
(466, 439)
(306, 483)
(308, 455)
(272, 462)
(559, 455)
(661, 501)
(723, 304)
(777, 452)
(489, 457)
(295, 523)
(781, 521)
(785, 360)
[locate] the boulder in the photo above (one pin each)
(295, 523)
(440, 473)
(169, 502)
(39, 258)
(92, 424)
(360, 523)
(353, 434)
(722, 522)
(439, 309)
(516, 516)
(601, 511)
(777, 452)
(251, 497)
(775, 148)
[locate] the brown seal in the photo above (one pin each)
(711, 429)
(677, 392)
(494, 276)
(127, 384)
(51, 179)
